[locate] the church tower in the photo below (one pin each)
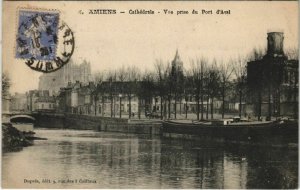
(177, 64)
(275, 44)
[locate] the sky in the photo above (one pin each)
(111, 41)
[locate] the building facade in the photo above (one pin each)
(273, 81)
(40, 101)
(18, 102)
(45, 104)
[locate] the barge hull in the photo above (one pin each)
(267, 135)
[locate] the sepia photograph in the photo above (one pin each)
(150, 95)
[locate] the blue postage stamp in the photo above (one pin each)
(37, 35)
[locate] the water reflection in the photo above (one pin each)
(115, 160)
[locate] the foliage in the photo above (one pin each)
(6, 83)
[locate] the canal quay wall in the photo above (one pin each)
(96, 123)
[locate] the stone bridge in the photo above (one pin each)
(6, 116)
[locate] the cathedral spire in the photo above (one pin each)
(177, 63)
(177, 55)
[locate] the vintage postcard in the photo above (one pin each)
(150, 94)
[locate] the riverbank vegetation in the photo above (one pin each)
(13, 139)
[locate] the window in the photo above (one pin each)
(49, 105)
(87, 99)
(42, 106)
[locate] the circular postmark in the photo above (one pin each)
(65, 49)
(42, 42)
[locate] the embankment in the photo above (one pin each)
(88, 122)
(261, 135)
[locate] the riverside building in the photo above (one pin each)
(273, 81)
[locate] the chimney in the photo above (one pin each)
(275, 44)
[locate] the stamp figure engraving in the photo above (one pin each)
(37, 35)
(43, 42)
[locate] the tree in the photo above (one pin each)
(99, 78)
(240, 73)
(187, 89)
(132, 77)
(257, 54)
(225, 74)
(176, 79)
(292, 53)
(111, 77)
(146, 90)
(121, 76)
(161, 83)
(212, 85)
(198, 70)
(6, 83)
(169, 87)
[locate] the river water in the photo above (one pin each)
(88, 159)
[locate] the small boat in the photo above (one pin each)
(23, 123)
